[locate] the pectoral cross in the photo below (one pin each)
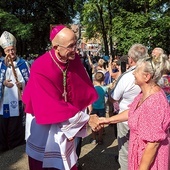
(65, 95)
(64, 77)
(64, 84)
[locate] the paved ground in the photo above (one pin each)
(100, 157)
(93, 157)
(15, 159)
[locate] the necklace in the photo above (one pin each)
(148, 95)
(64, 77)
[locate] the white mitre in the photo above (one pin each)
(7, 39)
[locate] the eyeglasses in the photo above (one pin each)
(9, 50)
(70, 47)
(150, 59)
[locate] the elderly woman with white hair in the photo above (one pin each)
(148, 118)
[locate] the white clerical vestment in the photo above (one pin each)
(53, 146)
(11, 95)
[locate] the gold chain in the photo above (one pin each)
(64, 77)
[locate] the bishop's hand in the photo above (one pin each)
(94, 123)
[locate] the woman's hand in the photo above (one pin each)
(104, 120)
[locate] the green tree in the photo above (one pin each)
(30, 21)
(126, 22)
(144, 22)
(93, 17)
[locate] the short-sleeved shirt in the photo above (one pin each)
(149, 123)
(100, 102)
(126, 90)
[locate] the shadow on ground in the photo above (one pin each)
(14, 159)
(100, 157)
(92, 157)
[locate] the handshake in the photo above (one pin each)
(96, 123)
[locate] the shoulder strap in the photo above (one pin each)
(23, 69)
(2, 77)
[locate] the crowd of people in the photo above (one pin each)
(62, 91)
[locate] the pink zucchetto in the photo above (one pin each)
(55, 30)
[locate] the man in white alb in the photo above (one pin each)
(124, 92)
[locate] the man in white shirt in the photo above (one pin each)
(124, 92)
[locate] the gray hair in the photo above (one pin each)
(156, 66)
(158, 50)
(137, 51)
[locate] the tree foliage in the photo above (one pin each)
(137, 21)
(94, 19)
(30, 21)
(118, 23)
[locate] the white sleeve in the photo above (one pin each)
(75, 125)
(118, 91)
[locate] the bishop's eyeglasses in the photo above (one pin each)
(69, 47)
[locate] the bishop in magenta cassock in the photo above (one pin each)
(56, 96)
